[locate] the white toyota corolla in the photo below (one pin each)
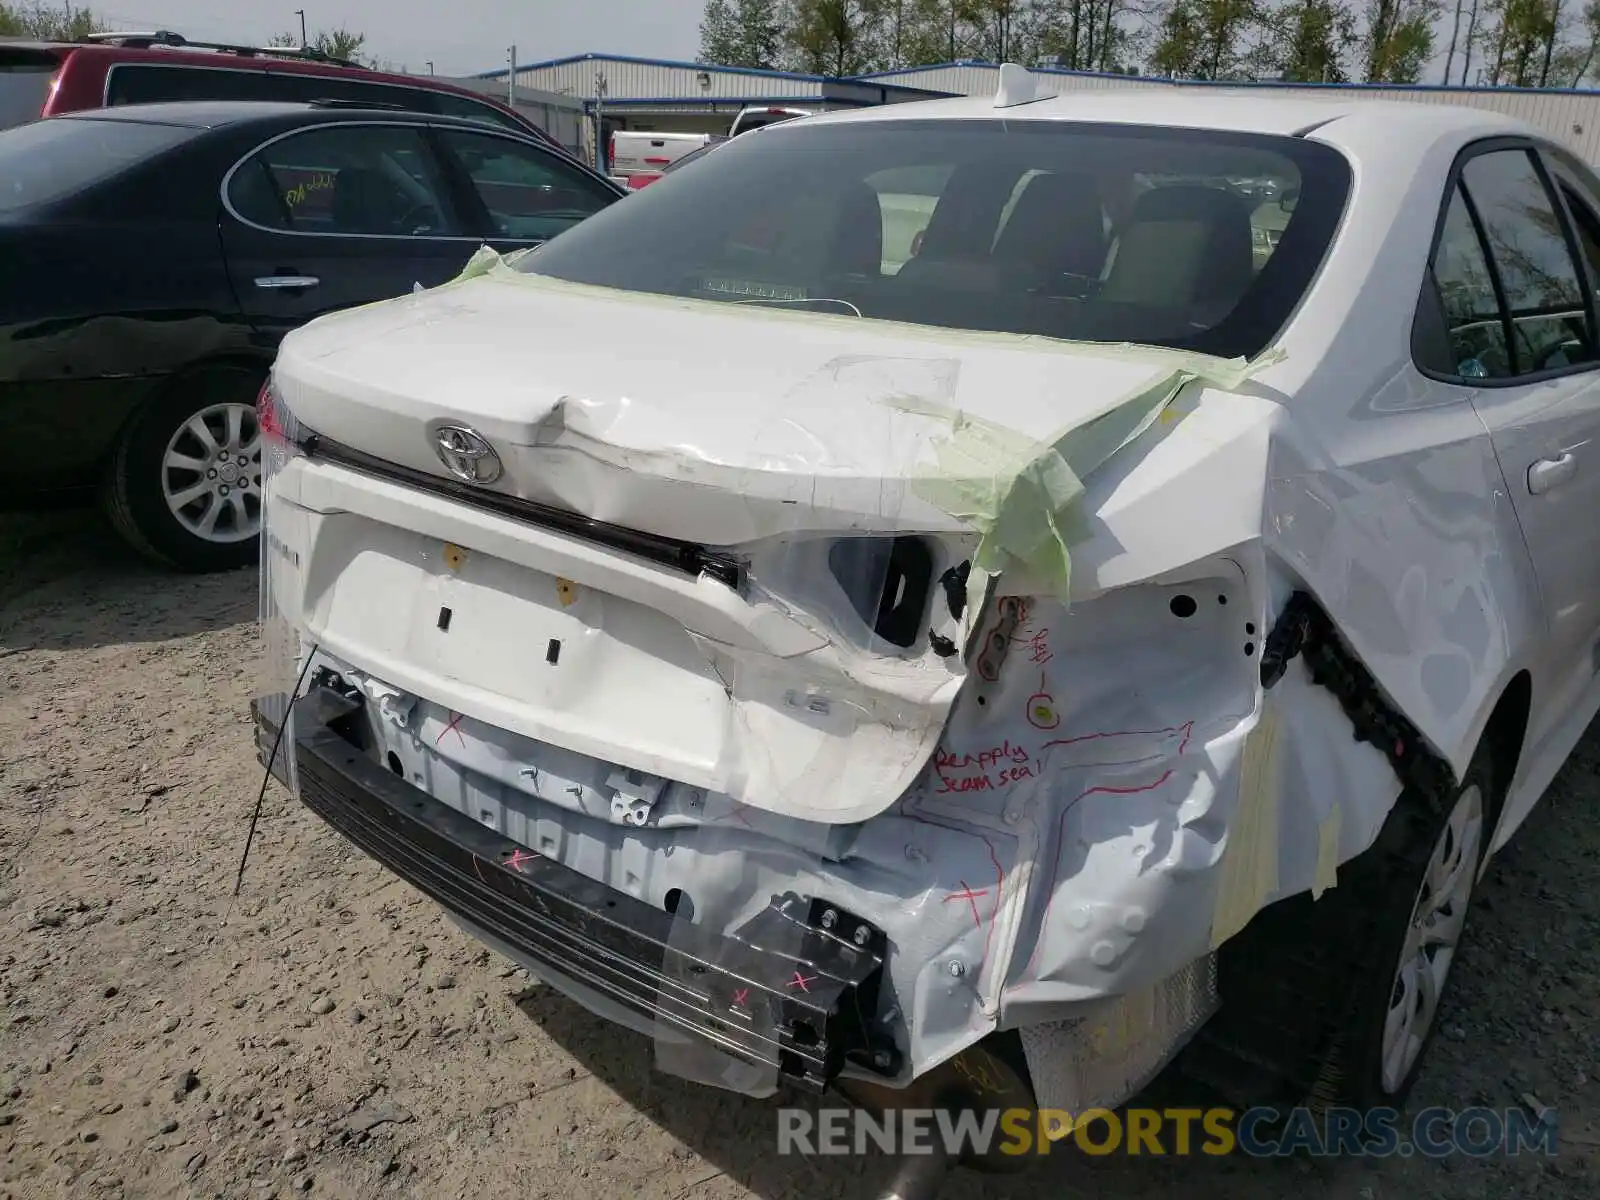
(965, 601)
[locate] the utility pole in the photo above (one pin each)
(600, 157)
(430, 66)
(301, 13)
(511, 77)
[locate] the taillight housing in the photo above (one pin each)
(280, 432)
(642, 179)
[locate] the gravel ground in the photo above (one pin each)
(331, 1033)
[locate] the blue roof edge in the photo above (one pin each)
(1244, 83)
(656, 62)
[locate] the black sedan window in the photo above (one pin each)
(346, 179)
(530, 194)
(46, 161)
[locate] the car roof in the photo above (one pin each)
(215, 114)
(1243, 110)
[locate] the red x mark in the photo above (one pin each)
(518, 857)
(800, 981)
(740, 996)
(971, 897)
(455, 728)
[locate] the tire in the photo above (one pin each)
(1307, 987)
(1406, 870)
(147, 479)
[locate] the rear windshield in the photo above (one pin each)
(52, 159)
(1106, 233)
(24, 86)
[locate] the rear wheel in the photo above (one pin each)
(1333, 1002)
(1437, 857)
(184, 487)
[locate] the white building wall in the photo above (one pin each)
(654, 81)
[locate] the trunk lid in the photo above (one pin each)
(710, 422)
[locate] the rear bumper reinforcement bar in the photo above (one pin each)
(781, 991)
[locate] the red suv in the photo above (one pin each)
(42, 79)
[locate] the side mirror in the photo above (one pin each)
(1286, 202)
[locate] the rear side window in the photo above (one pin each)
(1515, 301)
(360, 180)
(1528, 246)
(24, 85)
(448, 104)
(140, 84)
(53, 159)
(530, 194)
(155, 83)
(1466, 289)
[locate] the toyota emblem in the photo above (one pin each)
(466, 455)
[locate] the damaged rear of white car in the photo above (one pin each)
(955, 602)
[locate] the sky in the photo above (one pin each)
(460, 37)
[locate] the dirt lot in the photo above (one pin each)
(332, 1033)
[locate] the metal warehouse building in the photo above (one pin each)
(1568, 115)
(681, 97)
(663, 95)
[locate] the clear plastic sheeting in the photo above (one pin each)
(1118, 1045)
(739, 986)
(283, 647)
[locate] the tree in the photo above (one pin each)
(1399, 39)
(1573, 61)
(1516, 40)
(337, 43)
(1471, 40)
(1179, 50)
(761, 30)
(1205, 39)
(48, 22)
(1455, 37)
(919, 32)
(719, 34)
(1310, 39)
(742, 33)
(1083, 35)
(834, 37)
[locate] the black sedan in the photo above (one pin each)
(152, 257)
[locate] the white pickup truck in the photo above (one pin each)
(638, 153)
